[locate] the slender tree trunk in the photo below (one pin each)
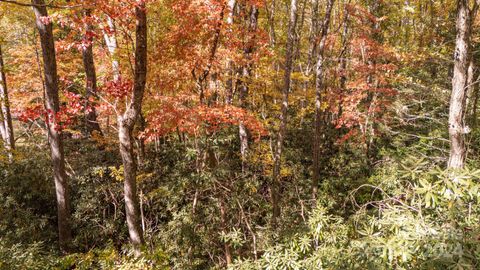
(475, 96)
(456, 125)
(202, 80)
(299, 30)
(111, 41)
(5, 116)
(243, 134)
(472, 93)
(52, 105)
(142, 124)
(2, 129)
(271, 21)
(223, 221)
(319, 86)
(246, 73)
(470, 87)
(344, 53)
(231, 11)
(231, 64)
(126, 123)
(132, 207)
(275, 189)
(342, 65)
(311, 53)
(91, 80)
(313, 36)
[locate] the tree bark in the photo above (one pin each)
(470, 83)
(91, 122)
(342, 65)
(132, 207)
(246, 72)
(299, 30)
(2, 128)
(275, 188)
(456, 125)
(475, 96)
(5, 116)
(223, 221)
(126, 123)
(319, 86)
(313, 36)
(311, 54)
(111, 41)
(271, 21)
(142, 124)
(52, 105)
(472, 94)
(344, 52)
(231, 64)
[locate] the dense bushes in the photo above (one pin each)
(415, 218)
(408, 214)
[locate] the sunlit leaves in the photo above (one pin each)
(175, 113)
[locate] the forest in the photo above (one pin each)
(239, 134)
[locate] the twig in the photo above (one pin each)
(50, 5)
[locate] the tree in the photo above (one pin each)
(91, 77)
(126, 122)
(319, 88)
(287, 78)
(6, 127)
(246, 72)
(52, 106)
(456, 125)
(111, 42)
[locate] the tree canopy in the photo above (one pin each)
(239, 134)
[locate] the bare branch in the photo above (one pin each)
(49, 5)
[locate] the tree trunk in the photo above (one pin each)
(342, 65)
(475, 96)
(5, 116)
(456, 126)
(246, 73)
(2, 129)
(243, 134)
(311, 54)
(344, 53)
(126, 123)
(142, 124)
(319, 85)
(91, 122)
(231, 64)
(313, 37)
(271, 21)
(223, 221)
(299, 30)
(472, 94)
(52, 106)
(132, 207)
(111, 41)
(275, 189)
(470, 84)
